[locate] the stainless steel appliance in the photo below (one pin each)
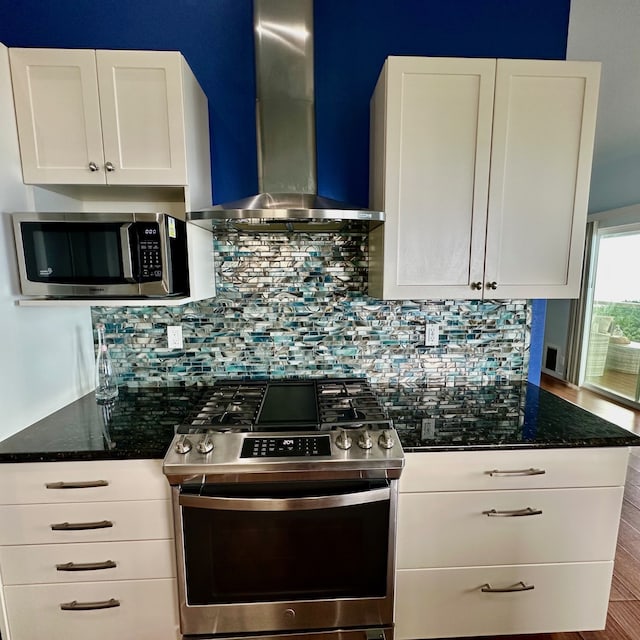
(286, 136)
(284, 496)
(101, 255)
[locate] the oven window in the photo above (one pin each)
(236, 556)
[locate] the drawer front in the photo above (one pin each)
(107, 481)
(439, 603)
(31, 524)
(37, 564)
(147, 611)
(496, 470)
(452, 529)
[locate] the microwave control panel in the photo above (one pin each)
(149, 251)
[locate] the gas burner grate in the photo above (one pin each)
(235, 406)
(228, 406)
(350, 404)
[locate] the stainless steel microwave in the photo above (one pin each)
(101, 255)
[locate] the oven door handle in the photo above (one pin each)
(286, 504)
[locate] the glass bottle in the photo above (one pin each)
(106, 386)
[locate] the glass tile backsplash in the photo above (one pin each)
(293, 305)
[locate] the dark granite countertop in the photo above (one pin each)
(141, 423)
(510, 416)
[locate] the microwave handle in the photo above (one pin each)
(285, 504)
(127, 258)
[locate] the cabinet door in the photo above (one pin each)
(142, 117)
(58, 115)
(543, 130)
(437, 145)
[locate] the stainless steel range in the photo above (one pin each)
(285, 496)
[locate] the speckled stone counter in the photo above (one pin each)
(511, 416)
(141, 423)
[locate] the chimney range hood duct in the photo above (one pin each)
(286, 134)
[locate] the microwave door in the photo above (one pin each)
(76, 259)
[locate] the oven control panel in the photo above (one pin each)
(286, 447)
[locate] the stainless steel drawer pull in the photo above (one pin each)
(74, 605)
(518, 586)
(515, 472)
(77, 485)
(86, 566)
(79, 526)
(493, 513)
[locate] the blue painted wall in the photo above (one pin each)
(352, 38)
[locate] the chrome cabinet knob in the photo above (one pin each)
(365, 441)
(205, 445)
(109, 166)
(386, 440)
(476, 285)
(343, 440)
(492, 285)
(93, 166)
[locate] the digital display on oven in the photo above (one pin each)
(286, 447)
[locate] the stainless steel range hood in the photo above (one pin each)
(286, 133)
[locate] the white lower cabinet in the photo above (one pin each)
(439, 603)
(86, 550)
(540, 527)
(49, 563)
(137, 610)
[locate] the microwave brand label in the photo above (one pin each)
(45, 273)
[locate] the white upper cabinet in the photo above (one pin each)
(102, 117)
(482, 167)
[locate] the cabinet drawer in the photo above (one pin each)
(485, 470)
(451, 529)
(439, 603)
(147, 611)
(31, 524)
(133, 560)
(125, 480)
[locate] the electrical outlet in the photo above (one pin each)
(431, 335)
(174, 337)
(428, 428)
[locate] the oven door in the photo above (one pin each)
(275, 557)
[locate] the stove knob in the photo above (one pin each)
(386, 440)
(183, 445)
(205, 445)
(365, 441)
(344, 440)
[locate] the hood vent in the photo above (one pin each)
(285, 113)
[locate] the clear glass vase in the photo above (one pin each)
(106, 384)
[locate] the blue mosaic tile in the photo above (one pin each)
(296, 305)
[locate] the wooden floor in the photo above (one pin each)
(623, 621)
